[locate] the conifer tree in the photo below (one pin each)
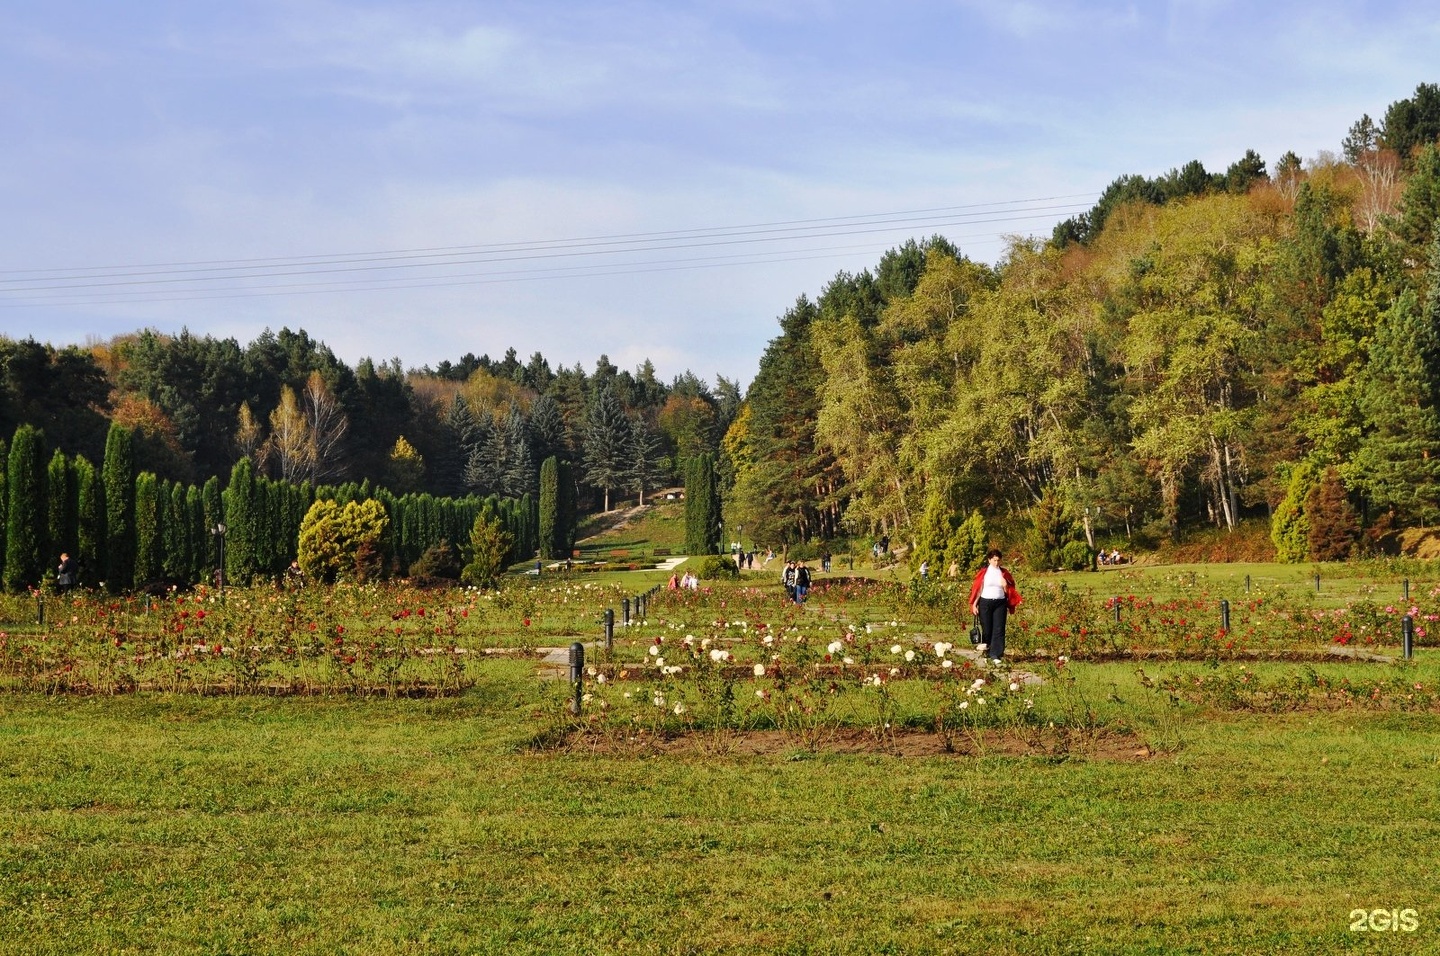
(1398, 463)
(25, 546)
(1334, 526)
(702, 507)
(119, 480)
(213, 503)
(60, 504)
(642, 465)
(147, 528)
(551, 547)
(175, 557)
(607, 432)
(4, 503)
(241, 560)
(90, 520)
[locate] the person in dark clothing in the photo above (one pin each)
(802, 582)
(65, 573)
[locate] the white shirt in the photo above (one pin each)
(994, 585)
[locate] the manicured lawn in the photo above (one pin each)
(178, 824)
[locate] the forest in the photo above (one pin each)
(1201, 350)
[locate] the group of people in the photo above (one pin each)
(796, 579)
(689, 582)
(1113, 556)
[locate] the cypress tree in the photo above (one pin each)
(213, 504)
(118, 475)
(90, 520)
(4, 500)
(60, 504)
(147, 528)
(25, 548)
(702, 506)
(551, 547)
(175, 554)
(568, 507)
(241, 564)
(195, 530)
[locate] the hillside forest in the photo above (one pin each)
(1253, 347)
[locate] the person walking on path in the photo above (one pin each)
(993, 597)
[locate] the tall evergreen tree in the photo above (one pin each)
(642, 465)
(4, 503)
(702, 507)
(148, 515)
(607, 432)
(547, 429)
(213, 502)
(175, 557)
(61, 504)
(242, 560)
(1398, 464)
(25, 545)
(551, 546)
(90, 521)
(118, 476)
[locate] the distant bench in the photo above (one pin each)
(619, 553)
(662, 552)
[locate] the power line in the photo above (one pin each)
(589, 256)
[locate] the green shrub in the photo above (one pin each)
(717, 566)
(439, 562)
(489, 545)
(1076, 556)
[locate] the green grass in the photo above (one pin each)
(158, 824)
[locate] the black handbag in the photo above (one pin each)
(975, 631)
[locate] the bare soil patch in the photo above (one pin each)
(1055, 743)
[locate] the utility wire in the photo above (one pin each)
(423, 267)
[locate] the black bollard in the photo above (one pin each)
(1225, 615)
(40, 608)
(1117, 610)
(609, 630)
(1317, 582)
(625, 612)
(577, 674)
(1405, 589)
(1247, 584)
(640, 607)
(1407, 637)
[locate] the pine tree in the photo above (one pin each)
(607, 432)
(642, 466)
(547, 429)
(1398, 463)
(119, 480)
(519, 476)
(25, 546)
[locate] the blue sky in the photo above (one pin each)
(425, 179)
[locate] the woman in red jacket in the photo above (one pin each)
(993, 596)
